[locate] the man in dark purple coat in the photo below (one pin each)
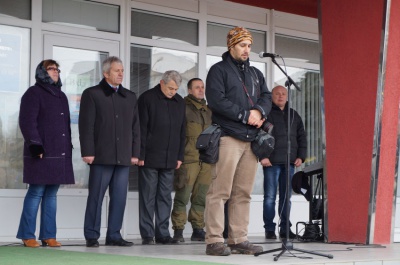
(45, 124)
(109, 135)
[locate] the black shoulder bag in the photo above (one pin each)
(208, 144)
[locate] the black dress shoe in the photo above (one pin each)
(148, 241)
(118, 242)
(270, 235)
(92, 243)
(166, 240)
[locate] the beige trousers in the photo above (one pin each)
(232, 178)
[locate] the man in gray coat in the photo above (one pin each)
(109, 134)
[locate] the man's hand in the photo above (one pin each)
(134, 160)
(265, 162)
(140, 163)
(255, 118)
(178, 164)
(88, 159)
(298, 162)
(260, 123)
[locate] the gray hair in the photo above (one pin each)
(172, 75)
(107, 63)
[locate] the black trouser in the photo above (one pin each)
(155, 187)
(101, 177)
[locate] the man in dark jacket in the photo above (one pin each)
(275, 166)
(109, 134)
(162, 124)
(193, 177)
(239, 100)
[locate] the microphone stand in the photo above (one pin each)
(287, 245)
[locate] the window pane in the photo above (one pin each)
(298, 49)
(85, 14)
(14, 80)
(16, 8)
(164, 27)
(308, 104)
(148, 64)
(80, 69)
(211, 60)
(216, 37)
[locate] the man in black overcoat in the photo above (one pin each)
(109, 134)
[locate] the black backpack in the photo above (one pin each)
(208, 144)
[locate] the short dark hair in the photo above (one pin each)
(189, 84)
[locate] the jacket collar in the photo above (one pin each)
(52, 89)
(199, 104)
(274, 106)
(160, 94)
(227, 56)
(108, 91)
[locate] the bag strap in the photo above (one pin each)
(211, 129)
(244, 86)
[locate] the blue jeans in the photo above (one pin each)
(47, 195)
(275, 176)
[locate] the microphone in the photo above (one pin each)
(266, 54)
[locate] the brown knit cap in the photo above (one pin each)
(237, 35)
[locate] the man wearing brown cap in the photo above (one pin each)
(238, 96)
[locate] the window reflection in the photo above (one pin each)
(16, 8)
(14, 80)
(149, 63)
(82, 14)
(157, 26)
(302, 50)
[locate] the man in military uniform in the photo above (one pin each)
(193, 177)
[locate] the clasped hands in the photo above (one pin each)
(255, 118)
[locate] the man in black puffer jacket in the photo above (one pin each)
(239, 99)
(275, 166)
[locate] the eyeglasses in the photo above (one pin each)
(53, 69)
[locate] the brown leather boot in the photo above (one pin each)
(245, 248)
(30, 243)
(51, 242)
(218, 249)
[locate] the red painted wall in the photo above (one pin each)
(390, 122)
(351, 38)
